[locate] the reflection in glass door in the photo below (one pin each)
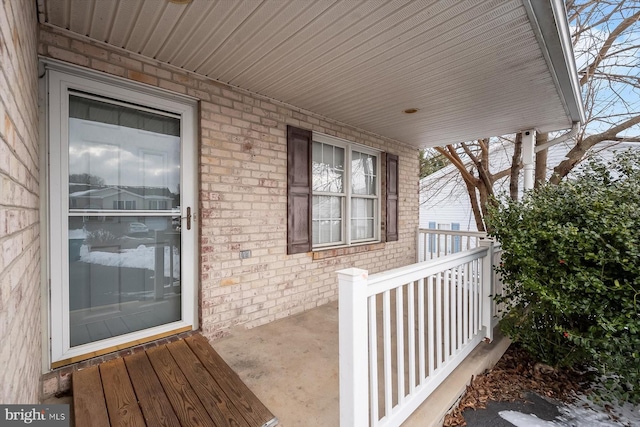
(124, 230)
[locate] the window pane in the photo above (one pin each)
(362, 219)
(363, 173)
(121, 158)
(327, 219)
(361, 229)
(328, 168)
(338, 154)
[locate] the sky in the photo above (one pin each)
(614, 98)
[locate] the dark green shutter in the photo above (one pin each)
(392, 198)
(298, 190)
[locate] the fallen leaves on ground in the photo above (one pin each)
(514, 375)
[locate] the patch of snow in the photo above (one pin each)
(519, 419)
(626, 414)
(140, 257)
(77, 234)
(583, 412)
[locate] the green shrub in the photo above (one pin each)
(571, 268)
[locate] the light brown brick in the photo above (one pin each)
(107, 67)
(125, 61)
(65, 55)
(89, 50)
(175, 87)
(143, 78)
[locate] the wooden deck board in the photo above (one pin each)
(184, 383)
(88, 399)
(220, 408)
(155, 405)
(252, 408)
(122, 404)
(183, 398)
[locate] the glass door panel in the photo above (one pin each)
(123, 219)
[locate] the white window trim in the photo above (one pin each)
(63, 77)
(349, 147)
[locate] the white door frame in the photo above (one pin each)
(60, 78)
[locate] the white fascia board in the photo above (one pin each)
(549, 21)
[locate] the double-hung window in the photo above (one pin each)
(345, 186)
(338, 193)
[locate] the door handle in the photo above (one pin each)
(188, 218)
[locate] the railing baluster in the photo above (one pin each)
(431, 323)
(439, 320)
(476, 275)
(426, 247)
(400, 342)
(373, 360)
(459, 284)
(447, 314)
(388, 380)
(422, 283)
(465, 302)
(411, 332)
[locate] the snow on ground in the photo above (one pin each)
(519, 419)
(140, 257)
(77, 234)
(583, 412)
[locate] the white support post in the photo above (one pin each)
(487, 289)
(418, 244)
(528, 157)
(353, 342)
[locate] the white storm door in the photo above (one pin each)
(122, 213)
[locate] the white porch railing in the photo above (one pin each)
(403, 331)
(434, 243)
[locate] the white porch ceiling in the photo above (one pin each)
(473, 68)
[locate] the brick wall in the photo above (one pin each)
(20, 326)
(243, 186)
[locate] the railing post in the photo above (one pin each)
(353, 347)
(418, 244)
(487, 288)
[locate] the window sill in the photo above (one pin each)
(347, 250)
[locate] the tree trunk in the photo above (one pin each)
(515, 167)
(475, 207)
(566, 166)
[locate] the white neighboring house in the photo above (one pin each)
(118, 198)
(444, 202)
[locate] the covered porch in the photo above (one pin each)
(397, 348)
(385, 77)
(292, 366)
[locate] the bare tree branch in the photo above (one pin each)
(578, 152)
(452, 156)
(626, 23)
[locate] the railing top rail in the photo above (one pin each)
(391, 279)
(453, 232)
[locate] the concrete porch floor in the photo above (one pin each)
(292, 366)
